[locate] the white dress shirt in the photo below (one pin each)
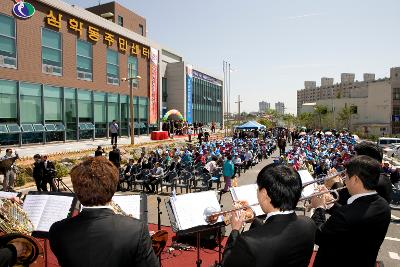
(278, 213)
(354, 197)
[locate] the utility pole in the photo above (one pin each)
(238, 102)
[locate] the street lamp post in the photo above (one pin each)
(132, 121)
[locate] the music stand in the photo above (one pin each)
(174, 219)
(41, 233)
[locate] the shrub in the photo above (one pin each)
(61, 170)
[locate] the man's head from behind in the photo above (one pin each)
(369, 149)
(95, 181)
(279, 187)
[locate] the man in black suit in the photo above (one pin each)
(49, 174)
(384, 186)
(115, 156)
(354, 233)
(284, 239)
(98, 236)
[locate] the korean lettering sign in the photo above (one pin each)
(54, 19)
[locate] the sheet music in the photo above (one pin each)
(4, 194)
(189, 208)
(249, 194)
(44, 210)
(305, 178)
(130, 204)
(57, 208)
(34, 206)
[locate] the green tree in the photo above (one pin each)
(320, 111)
(267, 123)
(306, 119)
(345, 116)
(289, 120)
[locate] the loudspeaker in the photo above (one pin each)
(208, 239)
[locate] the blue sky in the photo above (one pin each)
(274, 46)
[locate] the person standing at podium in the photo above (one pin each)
(98, 236)
(284, 239)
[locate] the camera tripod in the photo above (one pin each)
(64, 186)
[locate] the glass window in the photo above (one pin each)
(396, 93)
(120, 21)
(8, 51)
(124, 115)
(133, 70)
(70, 113)
(113, 112)
(31, 110)
(53, 112)
(84, 60)
(85, 106)
(165, 89)
(51, 52)
(141, 29)
(100, 118)
(52, 104)
(31, 103)
(8, 101)
(112, 67)
(85, 109)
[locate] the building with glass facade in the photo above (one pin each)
(206, 98)
(197, 94)
(61, 70)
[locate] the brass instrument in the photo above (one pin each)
(335, 192)
(211, 215)
(341, 174)
(158, 239)
(15, 224)
(117, 209)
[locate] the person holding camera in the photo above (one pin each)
(49, 174)
(37, 172)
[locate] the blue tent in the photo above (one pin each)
(250, 125)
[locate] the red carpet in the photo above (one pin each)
(176, 258)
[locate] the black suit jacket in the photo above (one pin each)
(98, 237)
(353, 234)
(283, 240)
(115, 157)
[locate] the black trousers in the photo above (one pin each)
(114, 137)
(151, 183)
(38, 181)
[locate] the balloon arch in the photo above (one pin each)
(173, 112)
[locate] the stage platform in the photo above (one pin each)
(175, 258)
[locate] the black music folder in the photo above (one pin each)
(46, 208)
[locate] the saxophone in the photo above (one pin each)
(14, 223)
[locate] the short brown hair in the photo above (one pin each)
(95, 181)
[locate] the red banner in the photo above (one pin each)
(153, 96)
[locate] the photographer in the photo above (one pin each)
(37, 172)
(49, 173)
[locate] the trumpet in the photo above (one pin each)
(211, 215)
(335, 192)
(325, 178)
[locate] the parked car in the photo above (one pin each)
(392, 150)
(386, 141)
